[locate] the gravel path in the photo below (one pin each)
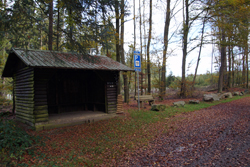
(216, 136)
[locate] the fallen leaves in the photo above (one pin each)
(216, 136)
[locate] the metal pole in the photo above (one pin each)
(138, 90)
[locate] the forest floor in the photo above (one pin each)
(214, 136)
(208, 134)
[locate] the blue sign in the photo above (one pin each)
(137, 60)
(138, 69)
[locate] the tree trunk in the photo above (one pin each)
(247, 62)
(145, 46)
(134, 44)
(165, 48)
(117, 40)
(148, 46)
(243, 69)
(198, 60)
(185, 40)
(57, 28)
(50, 24)
(222, 66)
(125, 78)
(141, 48)
(233, 70)
(71, 29)
(229, 68)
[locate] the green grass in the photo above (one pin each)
(104, 141)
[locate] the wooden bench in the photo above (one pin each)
(145, 98)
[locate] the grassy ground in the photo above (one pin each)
(105, 141)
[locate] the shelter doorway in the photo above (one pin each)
(75, 90)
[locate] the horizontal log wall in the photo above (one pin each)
(111, 92)
(111, 97)
(24, 95)
(40, 99)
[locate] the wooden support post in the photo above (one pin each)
(13, 96)
(57, 94)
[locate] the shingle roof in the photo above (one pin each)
(53, 59)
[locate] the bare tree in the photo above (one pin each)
(184, 56)
(198, 60)
(148, 46)
(141, 46)
(165, 47)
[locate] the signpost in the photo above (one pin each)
(137, 67)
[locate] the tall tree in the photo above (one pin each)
(165, 47)
(141, 47)
(199, 55)
(148, 46)
(134, 18)
(125, 78)
(184, 50)
(50, 25)
(117, 40)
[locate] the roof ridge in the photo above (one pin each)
(38, 50)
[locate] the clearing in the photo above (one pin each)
(208, 134)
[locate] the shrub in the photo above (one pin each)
(14, 141)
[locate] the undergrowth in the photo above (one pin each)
(14, 142)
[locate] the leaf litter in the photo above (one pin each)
(214, 136)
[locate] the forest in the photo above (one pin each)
(78, 25)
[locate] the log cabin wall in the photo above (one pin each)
(40, 99)
(40, 92)
(24, 95)
(111, 92)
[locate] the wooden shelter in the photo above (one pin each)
(48, 82)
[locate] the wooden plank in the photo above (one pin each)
(111, 96)
(39, 112)
(42, 119)
(19, 91)
(112, 105)
(109, 99)
(30, 83)
(42, 116)
(25, 70)
(24, 111)
(26, 118)
(25, 115)
(25, 98)
(25, 77)
(25, 95)
(111, 102)
(24, 87)
(25, 104)
(25, 108)
(40, 103)
(41, 107)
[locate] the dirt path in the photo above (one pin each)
(216, 136)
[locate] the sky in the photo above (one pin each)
(174, 60)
